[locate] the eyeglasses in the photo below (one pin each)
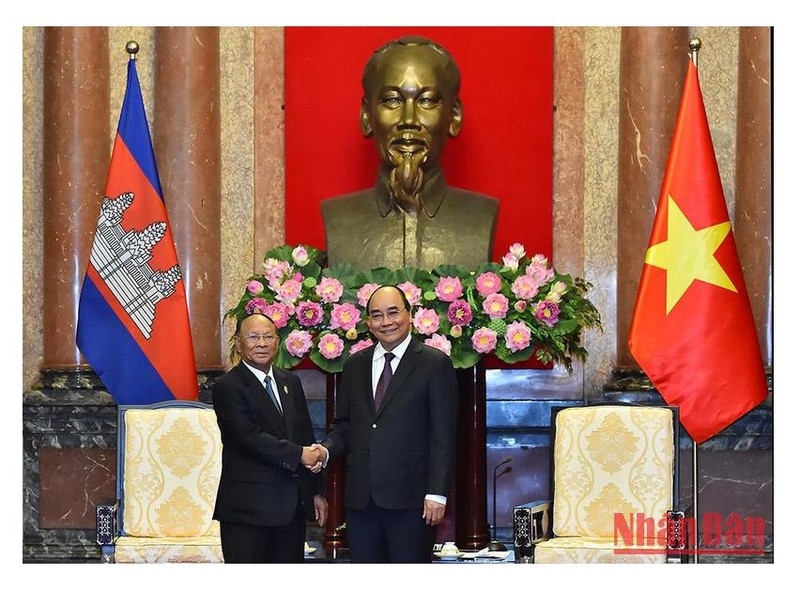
(256, 338)
(390, 315)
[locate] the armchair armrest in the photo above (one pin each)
(106, 512)
(531, 525)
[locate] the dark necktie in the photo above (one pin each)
(383, 381)
(271, 392)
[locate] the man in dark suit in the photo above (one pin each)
(264, 493)
(400, 441)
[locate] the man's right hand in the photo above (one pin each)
(314, 457)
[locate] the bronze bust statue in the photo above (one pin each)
(411, 217)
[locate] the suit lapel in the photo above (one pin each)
(364, 392)
(284, 395)
(260, 397)
(404, 369)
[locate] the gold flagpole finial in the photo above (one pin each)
(132, 47)
(695, 45)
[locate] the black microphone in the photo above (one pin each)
(496, 545)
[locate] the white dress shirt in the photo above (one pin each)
(261, 375)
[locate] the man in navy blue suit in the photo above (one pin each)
(396, 421)
(265, 494)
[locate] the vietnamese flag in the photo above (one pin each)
(692, 330)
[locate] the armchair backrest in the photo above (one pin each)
(611, 459)
(169, 461)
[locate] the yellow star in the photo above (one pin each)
(688, 254)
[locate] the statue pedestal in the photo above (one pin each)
(472, 528)
(335, 541)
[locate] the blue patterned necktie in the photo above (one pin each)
(383, 381)
(271, 392)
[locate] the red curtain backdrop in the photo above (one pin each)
(505, 148)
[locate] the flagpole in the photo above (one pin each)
(696, 511)
(132, 47)
(694, 46)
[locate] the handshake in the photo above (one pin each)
(313, 457)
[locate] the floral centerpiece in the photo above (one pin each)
(513, 309)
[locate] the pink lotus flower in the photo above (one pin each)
(456, 331)
(279, 314)
(518, 336)
(517, 250)
(540, 274)
(329, 290)
(426, 321)
(556, 292)
(547, 312)
(300, 256)
(449, 288)
(413, 293)
(520, 305)
(525, 287)
(275, 270)
(330, 346)
(289, 291)
(487, 283)
(539, 260)
(459, 313)
(440, 343)
(256, 305)
(510, 261)
(496, 306)
(365, 292)
(484, 340)
(298, 276)
(298, 343)
(538, 269)
(360, 345)
(308, 313)
(255, 287)
(344, 316)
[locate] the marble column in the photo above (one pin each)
(68, 420)
(76, 155)
(186, 138)
(753, 208)
(270, 184)
(652, 67)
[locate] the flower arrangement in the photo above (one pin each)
(514, 309)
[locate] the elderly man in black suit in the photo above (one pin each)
(396, 420)
(265, 494)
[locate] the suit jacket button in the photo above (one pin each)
(374, 425)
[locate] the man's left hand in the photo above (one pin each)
(432, 512)
(320, 509)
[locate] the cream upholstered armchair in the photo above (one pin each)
(615, 486)
(169, 458)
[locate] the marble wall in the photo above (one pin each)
(586, 98)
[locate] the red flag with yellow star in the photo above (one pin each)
(692, 330)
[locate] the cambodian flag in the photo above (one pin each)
(133, 323)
